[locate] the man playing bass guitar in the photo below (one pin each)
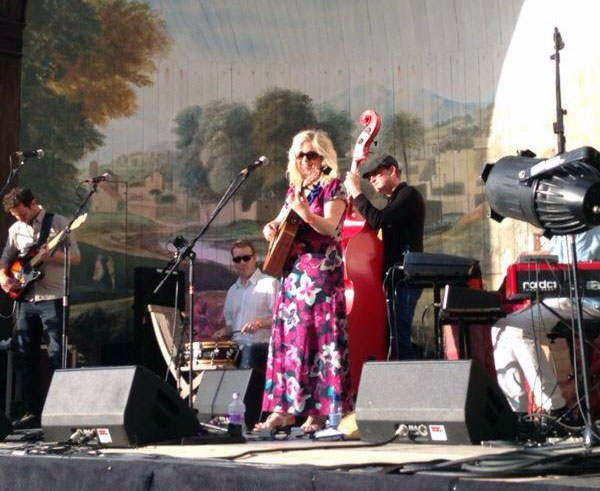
(402, 221)
(40, 307)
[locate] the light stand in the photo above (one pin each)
(560, 195)
(588, 432)
(188, 252)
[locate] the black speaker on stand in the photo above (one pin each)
(448, 402)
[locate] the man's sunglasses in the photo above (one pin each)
(312, 155)
(244, 258)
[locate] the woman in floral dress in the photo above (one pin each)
(307, 369)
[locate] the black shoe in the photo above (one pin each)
(25, 422)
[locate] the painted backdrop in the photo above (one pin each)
(172, 98)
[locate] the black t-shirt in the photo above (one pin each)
(402, 221)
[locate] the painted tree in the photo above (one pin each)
(403, 132)
(214, 144)
(219, 139)
(278, 115)
(226, 151)
(338, 126)
(191, 172)
(82, 62)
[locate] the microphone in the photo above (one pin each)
(97, 179)
(257, 163)
(29, 154)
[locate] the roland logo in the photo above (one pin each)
(542, 285)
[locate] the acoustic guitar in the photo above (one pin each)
(26, 269)
(281, 245)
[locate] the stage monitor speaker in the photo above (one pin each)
(5, 426)
(126, 406)
(216, 389)
(451, 402)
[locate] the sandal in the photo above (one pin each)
(313, 424)
(276, 421)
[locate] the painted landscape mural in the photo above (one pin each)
(172, 98)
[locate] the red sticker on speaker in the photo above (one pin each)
(438, 433)
(103, 435)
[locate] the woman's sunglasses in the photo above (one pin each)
(312, 155)
(245, 258)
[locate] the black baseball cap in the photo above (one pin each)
(385, 160)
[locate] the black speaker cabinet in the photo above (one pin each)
(216, 389)
(451, 402)
(127, 406)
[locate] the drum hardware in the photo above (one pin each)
(210, 355)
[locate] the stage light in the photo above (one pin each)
(560, 195)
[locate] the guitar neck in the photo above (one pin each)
(51, 245)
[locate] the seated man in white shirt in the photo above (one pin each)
(248, 307)
(517, 338)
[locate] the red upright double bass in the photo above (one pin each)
(363, 255)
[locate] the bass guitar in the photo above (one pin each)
(26, 269)
(363, 257)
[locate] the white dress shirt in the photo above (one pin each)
(247, 303)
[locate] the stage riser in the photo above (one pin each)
(139, 473)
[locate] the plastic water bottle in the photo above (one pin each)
(237, 416)
(335, 414)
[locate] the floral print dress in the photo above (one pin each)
(307, 367)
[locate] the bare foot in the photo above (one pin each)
(276, 420)
(313, 423)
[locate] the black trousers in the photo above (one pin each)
(254, 356)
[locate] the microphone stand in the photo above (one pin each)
(588, 432)
(188, 252)
(9, 352)
(12, 174)
(66, 245)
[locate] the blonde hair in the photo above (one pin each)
(322, 145)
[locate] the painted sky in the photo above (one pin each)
(393, 54)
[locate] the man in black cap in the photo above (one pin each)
(402, 220)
